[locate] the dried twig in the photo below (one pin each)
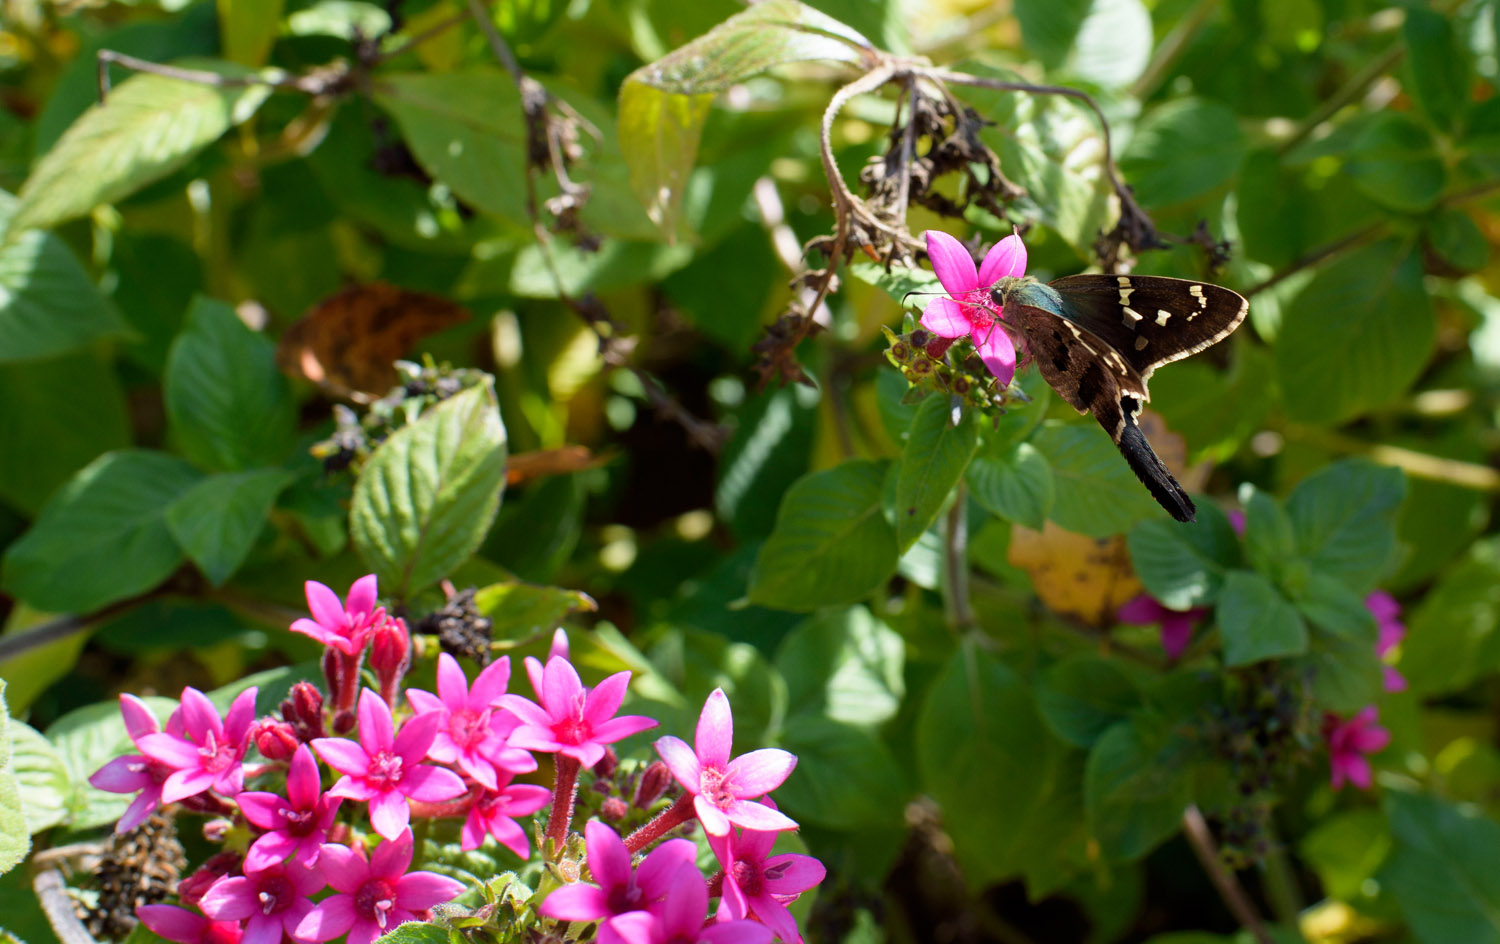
(1229, 888)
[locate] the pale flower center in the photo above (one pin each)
(216, 756)
(298, 822)
(275, 894)
(385, 770)
(468, 727)
(711, 786)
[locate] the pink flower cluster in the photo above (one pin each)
(455, 753)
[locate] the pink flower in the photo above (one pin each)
(343, 626)
(137, 771)
(274, 900)
(1387, 613)
(723, 790)
(1176, 625)
(679, 919)
(374, 895)
(971, 312)
(621, 890)
(187, 927)
(384, 768)
(472, 732)
(1236, 518)
(495, 812)
(208, 753)
(1348, 744)
(572, 720)
(760, 887)
(299, 824)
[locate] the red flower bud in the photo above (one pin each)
(614, 809)
(304, 711)
(390, 656)
(215, 830)
(605, 768)
(654, 782)
(192, 889)
(276, 740)
(937, 347)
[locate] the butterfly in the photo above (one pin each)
(1097, 339)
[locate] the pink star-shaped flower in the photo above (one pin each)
(188, 927)
(343, 626)
(572, 720)
(374, 895)
(761, 887)
(473, 731)
(620, 889)
(971, 312)
(1349, 743)
(273, 900)
(724, 790)
(494, 813)
(679, 919)
(207, 754)
(137, 771)
(1176, 625)
(298, 824)
(1387, 613)
(384, 768)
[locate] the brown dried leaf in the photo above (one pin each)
(524, 466)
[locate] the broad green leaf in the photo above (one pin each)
(1329, 605)
(272, 686)
(1113, 44)
(694, 663)
(933, 462)
(48, 303)
(103, 537)
(845, 665)
(60, 414)
(899, 282)
(1270, 542)
(429, 493)
(845, 777)
(771, 448)
(1017, 485)
(1444, 869)
(415, 932)
(1438, 72)
(1395, 162)
(664, 104)
(831, 545)
(217, 520)
(1097, 494)
(1274, 210)
(1183, 565)
(15, 837)
(1346, 849)
(86, 739)
(1346, 673)
(31, 672)
(521, 610)
(1215, 410)
(1049, 27)
(1182, 150)
(1356, 336)
(1136, 787)
(1454, 236)
(1084, 695)
(536, 533)
(248, 28)
(228, 406)
(1257, 621)
(1454, 633)
(1344, 518)
(41, 776)
(147, 127)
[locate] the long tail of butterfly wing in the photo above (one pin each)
(1149, 468)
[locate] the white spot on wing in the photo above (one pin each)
(1161, 316)
(1131, 317)
(1140, 344)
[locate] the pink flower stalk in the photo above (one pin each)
(137, 771)
(971, 312)
(274, 900)
(1349, 743)
(620, 890)
(343, 626)
(1387, 613)
(298, 824)
(679, 919)
(188, 927)
(384, 768)
(572, 720)
(472, 732)
(494, 813)
(208, 753)
(723, 790)
(374, 895)
(760, 887)
(1176, 625)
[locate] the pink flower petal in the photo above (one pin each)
(170, 750)
(682, 912)
(389, 814)
(343, 755)
(527, 710)
(122, 775)
(421, 890)
(1176, 633)
(997, 351)
(185, 783)
(588, 754)
(431, 784)
(344, 868)
(199, 715)
(605, 698)
(578, 902)
(758, 772)
(560, 688)
(750, 815)
(1142, 610)
(952, 263)
(637, 927)
(231, 898)
(715, 823)
(774, 915)
(1357, 769)
(680, 760)
(416, 736)
(391, 859)
(263, 929)
(324, 605)
(240, 716)
(472, 835)
(622, 727)
(269, 850)
(452, 684)
(536, 674)
(490, 684)
(792, 874)
(302, 781)
(140, 720)
(377, 729)
(314, 629)
(173, 923)
(523, 799)
(365, 932)
(1006, 259)
(1394, 680)
(733, 904)
(361, 599)
(736, 932)
(423, 702)
(511, 836)
(944, 317)
(1370, 740)
(532, 738)
(329, 918)
(659, 869)
(139, 810)
(715, 734)
(609, 861)
(262, 809)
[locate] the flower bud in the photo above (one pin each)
(559, 644)
(937, 347)
(654, 782)
(304, 711)
(192, 889)
(605, 768)
(215, 830)
(390, 655)
(614, 809)
(333, 670)
(276, 740)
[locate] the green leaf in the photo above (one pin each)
(1438, 71)
(32, 671)
(771, 448)
(521, 610)
(1257, 621)
(1016, 485)
(936, 454)
(1444, 870)
(1346, 672)
(217, 520)
(103, 537)
(664, 105)
(228, 406)
(1135, 788)
(48, 303)
(1270, 542)
(1395, 162)
(15, 837)
(147, 127)
(1455, 632)
(1346, 849)
(687, 665)
(1329, 605)
(87, 739)
(429, 493)
(1182, 150)
(1113, 44)
(1454, 236)
(1097, 494)
(41, 776)
(247, 29)
(845, 777)
(832, 545)
(1356, 336)
(1049, 27)
(1183, 565)
(1084, 695)
(845, 665)
(1344, 518)
(414, 932)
